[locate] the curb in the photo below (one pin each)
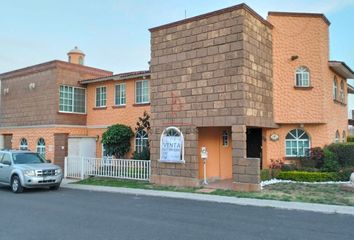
(311, 207)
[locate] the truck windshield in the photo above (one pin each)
(27, 158)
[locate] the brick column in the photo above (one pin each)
(245, 171)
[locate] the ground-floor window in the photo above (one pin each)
(344, 136)
(297, 143)
(141, 141)
(41, 147)
(23, 144)
(337, 137)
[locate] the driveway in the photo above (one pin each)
(77, 214)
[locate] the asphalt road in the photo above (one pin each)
(74, 214)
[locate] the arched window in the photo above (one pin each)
(337, 137)
(23, 144)
(41, 147)
(81, 60)
(341, 91)
(297, 143)
(335, 88)
(302, 77)
(172, 146)
(141, 141)
(344, 135)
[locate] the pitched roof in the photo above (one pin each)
(53, 64)
(119, 76)
(341, 69)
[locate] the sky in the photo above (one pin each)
(114, 33)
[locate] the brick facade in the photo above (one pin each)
(212, 70)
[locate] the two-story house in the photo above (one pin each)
(41, 105)
(247, 89)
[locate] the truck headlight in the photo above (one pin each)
(57, 171)
(29, 173)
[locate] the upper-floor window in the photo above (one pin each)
(335, 88)
(101, 97)
(337, 137)
(341, 92)
(297, 143)
(23, 144)
(41, 147)
(72, 99)
(142, 91)
(302, 77)
(120, 97)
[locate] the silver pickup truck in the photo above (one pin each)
(24, 169)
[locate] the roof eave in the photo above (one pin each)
(341, 69)
(116, 77)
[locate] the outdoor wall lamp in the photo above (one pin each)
(294, 57)
(97, 138)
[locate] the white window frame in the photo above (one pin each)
(174, 131)
(335, 88)
(101, 99)
(73, 99)
(41, 148)
(337, 137)
(136, 91)
(341, 91)
(23, 144)
(344, 136)
(302, 71)
(297, 140)
(143, 136)
(120, 94)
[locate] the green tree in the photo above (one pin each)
(117, 140)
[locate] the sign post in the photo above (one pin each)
(204, 156)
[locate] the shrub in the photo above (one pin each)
(308, 176)
(117, 140)
(289, 167)
(344, 152)
(331, 163)
(350, 139)
(265, 174)
(344, 174)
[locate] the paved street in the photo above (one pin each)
(75, 214)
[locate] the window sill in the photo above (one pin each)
(303, 88)
(118, 106)
(99, 108)
(339, 102)
(71, 113)
(141, 104)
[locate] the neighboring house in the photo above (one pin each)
(42, 105)
(120, 98)
(248, 89)
(351, 124)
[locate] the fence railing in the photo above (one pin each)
(83, 167)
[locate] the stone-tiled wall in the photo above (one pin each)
(210, 71)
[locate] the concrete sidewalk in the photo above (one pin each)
(312, 207)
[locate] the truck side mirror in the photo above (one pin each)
(48, 161)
